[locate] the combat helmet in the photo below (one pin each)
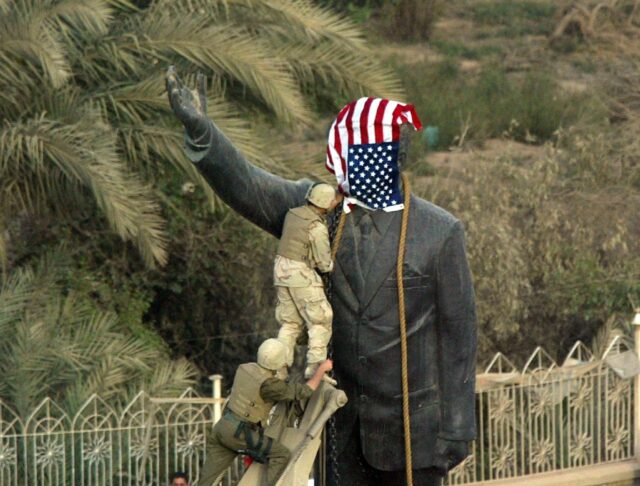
(272, 354)
(321, 195)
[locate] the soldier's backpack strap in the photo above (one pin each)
(258, 452)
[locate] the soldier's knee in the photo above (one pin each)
(319, 335)
(319, 312)
(287, 314)
(328, 315)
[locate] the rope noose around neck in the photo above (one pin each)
(406, 416)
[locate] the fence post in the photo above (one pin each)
(636, 389)
(217, 394)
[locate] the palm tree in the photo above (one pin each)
(56, 344)
(85, 121)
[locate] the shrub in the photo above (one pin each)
(55, 343)
(454, 49)
(515, 18)
(553, 238)
(409, 19)
(473, 108)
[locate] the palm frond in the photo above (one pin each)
(15, 295)
(4, 257)
(301, 18)
(133, 102)
(43, 51)
(170, 378)
(304, 18)
(58, 345)
(229, 51)
(349, 73)
(89, 156)
(87, 16)
(148, 141)
(124, 6)
(36, 34)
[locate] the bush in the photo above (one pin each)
(454, 49)
(553, 238)
(55, 343)
(473, 108)
(515, 18)
(409, 19)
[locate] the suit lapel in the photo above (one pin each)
(346, 257)
(386, 256)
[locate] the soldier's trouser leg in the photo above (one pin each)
(278, 459)
(277, 454)
(313, 306)
(290, 320)
(219, 457)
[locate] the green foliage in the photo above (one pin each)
(553, 239)
(453, 49)
(214, 300)
(514, 18)
(405, 20)
(409, 19)
(85, 119)
(359, 11)
(505, 11)
(91, 155)
(473, 108)
(54, 343)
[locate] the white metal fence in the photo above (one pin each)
(141, 444)
(547, 417)
(542, 418)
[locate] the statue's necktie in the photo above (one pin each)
(366, 247)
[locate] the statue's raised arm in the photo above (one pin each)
(259, 196)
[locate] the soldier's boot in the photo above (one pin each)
(310, 370)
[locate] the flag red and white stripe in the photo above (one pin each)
(365, 121)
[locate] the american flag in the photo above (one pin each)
(362, 151)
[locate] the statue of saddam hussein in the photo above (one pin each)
(438, 292)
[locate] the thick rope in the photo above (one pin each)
(336, 241)
(403, 330)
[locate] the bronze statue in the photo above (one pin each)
(440, 313)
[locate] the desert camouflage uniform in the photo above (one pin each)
(304, 247)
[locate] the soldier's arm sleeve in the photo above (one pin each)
(320, 247)
(276, 390)
(261, 197)
(457, 338)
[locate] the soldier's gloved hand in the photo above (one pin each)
(449, 453)
(190, 106)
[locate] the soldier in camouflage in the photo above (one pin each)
(304, 250)
(256, 389)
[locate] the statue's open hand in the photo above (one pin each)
(450, 453)
(190, 106)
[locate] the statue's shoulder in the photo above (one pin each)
(430, 214)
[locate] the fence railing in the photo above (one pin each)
(139, 445)
(545, 417)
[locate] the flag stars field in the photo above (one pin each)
(371, 177)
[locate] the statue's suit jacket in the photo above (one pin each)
(440, 313)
